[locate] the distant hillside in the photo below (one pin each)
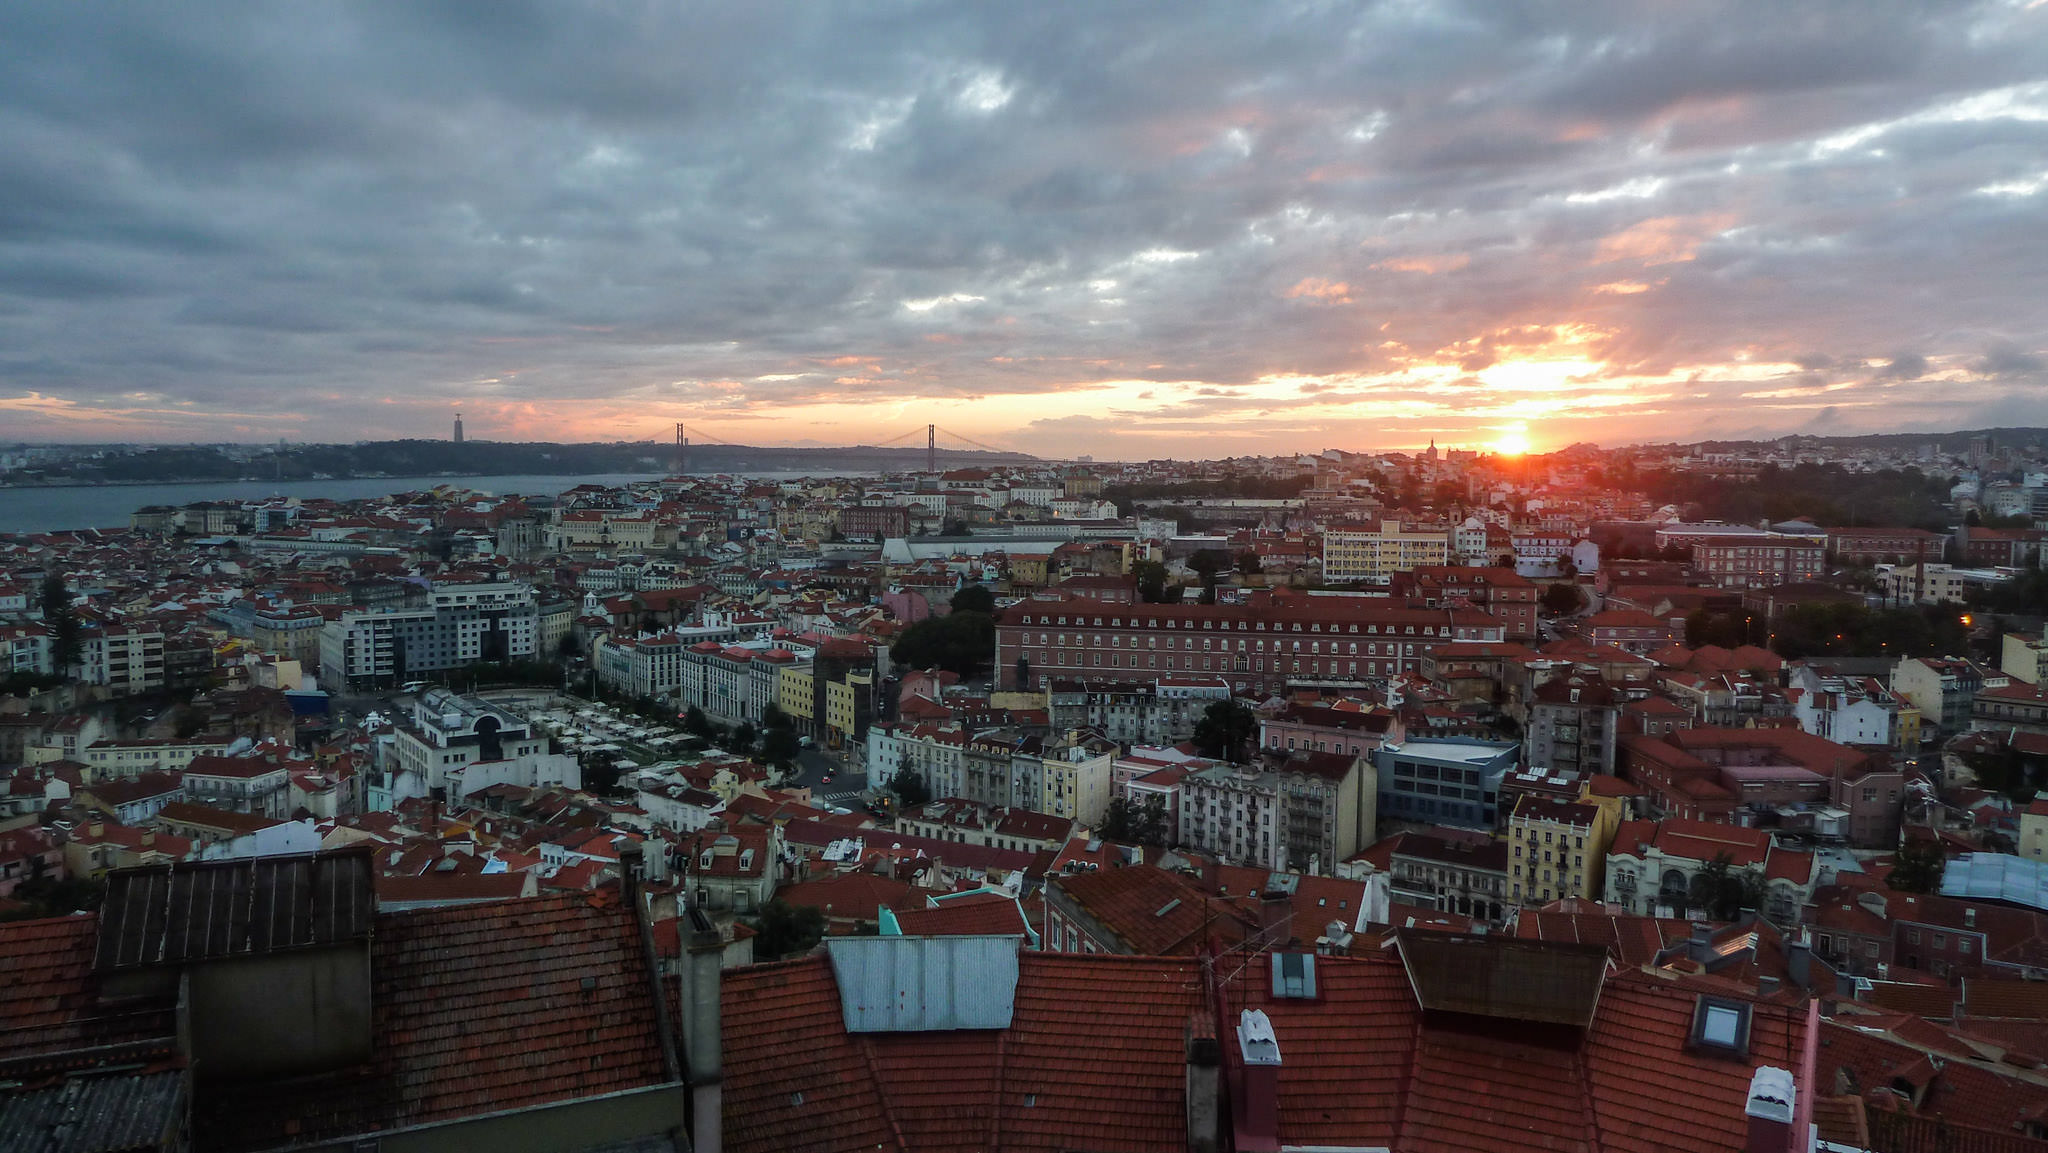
(1947, 442)
(130, 464)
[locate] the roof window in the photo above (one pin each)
(1294, 976)
(1721, 1026)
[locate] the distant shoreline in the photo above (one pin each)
(273, 480)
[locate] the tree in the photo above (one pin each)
(1208, 562)
(744, 736)
(788, 930)
(911, 787)
(1714, 628)
(1248, 563)
(1151, 577)
(961, 642)
(600, 775)
(1562, 599)
(696, 723)
(1918, 867)
(1224, 730)
(1725, 891)
(62, 619)
(1136, 824)
(780, 747)
(974, 599)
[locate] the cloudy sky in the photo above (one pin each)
(1128, 230)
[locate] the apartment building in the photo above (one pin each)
(1374, 554)
(1136, 712)
(126, 660)
(1557, 849)
(1263, 645)
(1446, 782)
(1759, 560)
(113, 760)
(461, 625)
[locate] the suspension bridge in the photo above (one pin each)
(686, 435)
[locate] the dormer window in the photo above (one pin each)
(704, 859)
(746, 859)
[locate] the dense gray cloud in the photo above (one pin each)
(1086, 227)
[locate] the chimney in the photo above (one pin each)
(1276, 917)
(704, 950)
(632, 871)
(1772, 1095)
(1799, 963)
(1701, 946)
(1255, 1114)
(1766, 986)
(1204, 1083)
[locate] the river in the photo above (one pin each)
(107, 506)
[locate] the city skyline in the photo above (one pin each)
(1129, 235)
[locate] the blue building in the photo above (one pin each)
(1444, 782)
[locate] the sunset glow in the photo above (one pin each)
(1123, 235)
(1511, 444)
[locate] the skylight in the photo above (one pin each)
(1721, 1025)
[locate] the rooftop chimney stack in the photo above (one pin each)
(702, 1019)
(1772, 1095)
(1204, 1084)
(1256, 1113)
(1799, 963)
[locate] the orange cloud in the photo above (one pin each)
(1662, 239)
(1424, 264)
(1318, 289)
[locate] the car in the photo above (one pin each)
(826, 779)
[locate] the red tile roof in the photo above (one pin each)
(1151, 910)
(478, 1008)
(49, 999)
(963, 916)
(1629, 938)
(1095, 1058)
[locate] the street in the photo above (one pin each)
(843, 791)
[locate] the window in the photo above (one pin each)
(1294, 975)
(1721, 1026)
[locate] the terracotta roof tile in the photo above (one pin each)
(479, 1008)
(49, 998)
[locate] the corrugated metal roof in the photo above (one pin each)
(925, 984)
(207, 910)
(1490, 976)
(107, 1113)
(1997, 877)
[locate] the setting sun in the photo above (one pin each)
(1511, 443)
